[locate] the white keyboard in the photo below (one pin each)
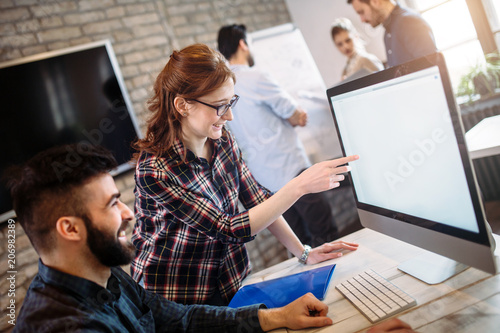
(374, 296)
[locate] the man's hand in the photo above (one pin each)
(298, 118)
(306, 311)
(329, 251)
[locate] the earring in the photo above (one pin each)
(185, 114)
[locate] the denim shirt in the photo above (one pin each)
(407, 36)
(60, 302)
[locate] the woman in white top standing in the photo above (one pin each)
(350, 44)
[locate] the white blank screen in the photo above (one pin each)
(409, 157)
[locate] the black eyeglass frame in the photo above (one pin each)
(224, 107)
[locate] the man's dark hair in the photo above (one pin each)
(365, 1)
(47, 187)
(229, 37)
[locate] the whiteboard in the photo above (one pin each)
(282, 52)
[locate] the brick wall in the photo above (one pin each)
(143, 34)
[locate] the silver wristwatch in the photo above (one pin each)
(305, 254)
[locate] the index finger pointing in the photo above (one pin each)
(344, 160)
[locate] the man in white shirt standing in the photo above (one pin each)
(263, 125)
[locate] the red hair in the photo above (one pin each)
(192, 72)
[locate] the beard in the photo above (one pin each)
(106, 247)
(378, 17)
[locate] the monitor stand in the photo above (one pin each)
(431, 268)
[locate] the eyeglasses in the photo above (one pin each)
(221, 109)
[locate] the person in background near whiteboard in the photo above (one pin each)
(349, 43)
(263, 126)
(407, 35)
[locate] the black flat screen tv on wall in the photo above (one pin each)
(75, 95)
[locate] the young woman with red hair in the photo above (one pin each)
(190, 234)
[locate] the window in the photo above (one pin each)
(492, 8)
(457, 35)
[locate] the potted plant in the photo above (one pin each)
(482, 80)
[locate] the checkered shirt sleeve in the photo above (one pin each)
(189, 234)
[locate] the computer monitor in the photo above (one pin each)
(414, 180)
(72, 95)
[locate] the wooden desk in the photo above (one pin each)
(467, 302)
(484, 139)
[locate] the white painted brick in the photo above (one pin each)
(208, 39)
(125, 1)
(140, 44)
(26, 2)
(102, 27)
(177, 20)
(14, 15)
(59, 33)
(172, 2)
(139, 94)
(82, 18)
(102, 36)
(155, 40)
(133, 58)
(185, 41)
(189, 30)
(144, 19)
(203, 7)
(123, 35)
(28, 26)
(25, 257)
(154, 67)
(141, 81)
(94, 4)
(115, 12)
(181, 9)
(7, 29)
(51, 22)
(148, 30)
(140, 8)
(246, 9)
(202, 17)
(127, 46)
(57, 8)
(58, 45)
(18, 40)
(9, 54)
(129, 71)
(80, 41)
(6, 4)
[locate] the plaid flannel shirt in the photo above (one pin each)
(189, 233)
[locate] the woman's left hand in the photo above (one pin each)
(329, 251)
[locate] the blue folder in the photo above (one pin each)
(281, 291)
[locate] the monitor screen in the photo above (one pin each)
(414, 175)
(74, 95)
